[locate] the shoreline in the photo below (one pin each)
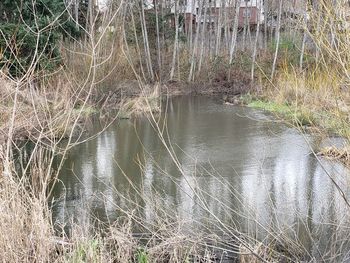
(236, 92)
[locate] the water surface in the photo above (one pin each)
(236, 165)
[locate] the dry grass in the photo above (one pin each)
(337, 154)
(27, 235)
(45, 109)
(6, 104)
(321, 94)
(115, 64)
(147, 101)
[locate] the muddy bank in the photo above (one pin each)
(54, 116)
(238, 84)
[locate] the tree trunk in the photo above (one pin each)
(255, 47)
(278, 33)
(175, 49)
(234, 33)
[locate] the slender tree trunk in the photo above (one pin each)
(266, 12)
(195, 46)
(318, 27)
(138, 50)
(304, 40)
(249, 26)
(255, 47)
(146, 42)
(234, 33)
(245, 15)
(175, 49)
(191, 25)
(218, 29)
(204, 30)
(158, 41)
(76, 12)
(163, 43)
(210, 31)
(227, 9)
(278, 33)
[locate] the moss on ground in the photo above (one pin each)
(298, 116)
(325, 120)
(85, 111)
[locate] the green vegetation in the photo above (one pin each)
(141, 256)
(297, 116)
(312, 97)
(290, 113)
(85, 111)
(85, 252)
(30, 34)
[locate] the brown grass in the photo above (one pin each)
(147, 101)
(321, 94)
(336, 154)
(27, 235)
(47, 108)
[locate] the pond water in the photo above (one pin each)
(223, 163)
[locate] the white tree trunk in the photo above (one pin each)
(278, 33)
(234, 33)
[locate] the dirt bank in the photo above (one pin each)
(52, 114)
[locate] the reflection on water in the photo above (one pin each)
(234, 161)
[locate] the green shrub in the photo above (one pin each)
(30, 32)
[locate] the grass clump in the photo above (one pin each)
(270, 106)
(87, 251)
(296, 116)
(337, 154)
(317, 97)
(141, 256)
(49, 109)
(148, 101)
